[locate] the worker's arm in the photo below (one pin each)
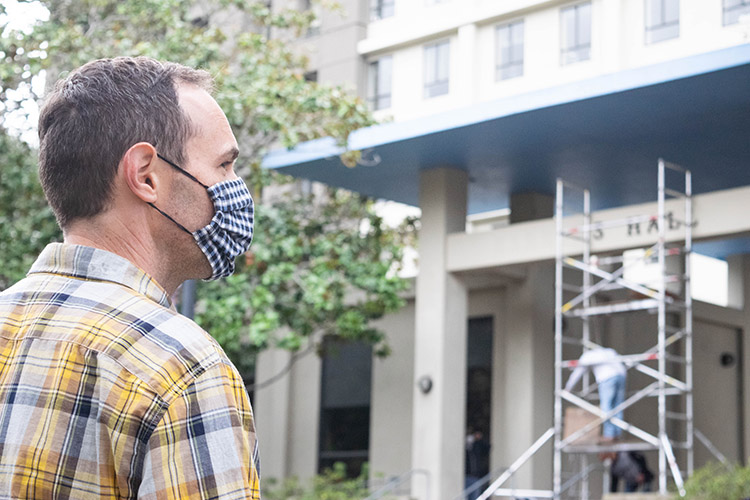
(575, 377)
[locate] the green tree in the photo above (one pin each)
(26, 221)
(320, 265)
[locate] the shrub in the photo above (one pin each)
(331, 485)
(718, 482)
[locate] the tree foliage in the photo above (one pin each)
(319, 264)
(26, 221)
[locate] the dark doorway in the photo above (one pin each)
(478, 398)
(345, 406)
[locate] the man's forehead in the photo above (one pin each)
(206, 116)
(196, 101)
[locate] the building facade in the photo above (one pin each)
(490, 102)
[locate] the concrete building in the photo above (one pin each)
(491, 102)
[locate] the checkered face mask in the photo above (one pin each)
(230, 231)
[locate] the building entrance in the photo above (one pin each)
(478, 399)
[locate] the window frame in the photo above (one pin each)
(382, 9)
(357, 451)
(743, 7)
(655, 33)
(502, 66)
(436, 87)
(375, 96)
(565, 52)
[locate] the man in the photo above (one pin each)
(609, 372)
(105, 391)
(630, 466)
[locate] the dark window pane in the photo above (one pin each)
(345, 405)
(345, 437)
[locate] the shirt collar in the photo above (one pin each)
(99, 265)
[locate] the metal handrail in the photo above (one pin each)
(479, 482)
(397, 481)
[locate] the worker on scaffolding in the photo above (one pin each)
(609, 372)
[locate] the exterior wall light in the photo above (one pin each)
(425, 384)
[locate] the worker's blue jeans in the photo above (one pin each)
(611, 394)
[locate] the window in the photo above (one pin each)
(345, 405)
(314, 28)
(379, 83)
(436, 69)
(380, 9)
(576, 33)
(662, 20)
(734, 9)
(509, 51)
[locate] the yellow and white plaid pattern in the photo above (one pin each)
(105, 392)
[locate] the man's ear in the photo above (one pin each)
(138, 168)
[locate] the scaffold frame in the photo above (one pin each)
(656, 299)
(651, 298)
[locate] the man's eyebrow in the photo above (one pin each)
(230, 155)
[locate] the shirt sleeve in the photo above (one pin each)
(575, 377)
(205, 445)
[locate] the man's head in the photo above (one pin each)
(133, 152)
(92, 117)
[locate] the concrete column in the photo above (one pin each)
(271, 409)
(440, 340)
(529, 373)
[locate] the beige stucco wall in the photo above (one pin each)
(392, 396)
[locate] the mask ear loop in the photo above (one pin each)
(182, 170)
(170, 218)
(189, 176)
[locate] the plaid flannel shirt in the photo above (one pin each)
(105, 392)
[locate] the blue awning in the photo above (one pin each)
(605, 133)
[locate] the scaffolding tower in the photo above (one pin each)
(668, 297)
